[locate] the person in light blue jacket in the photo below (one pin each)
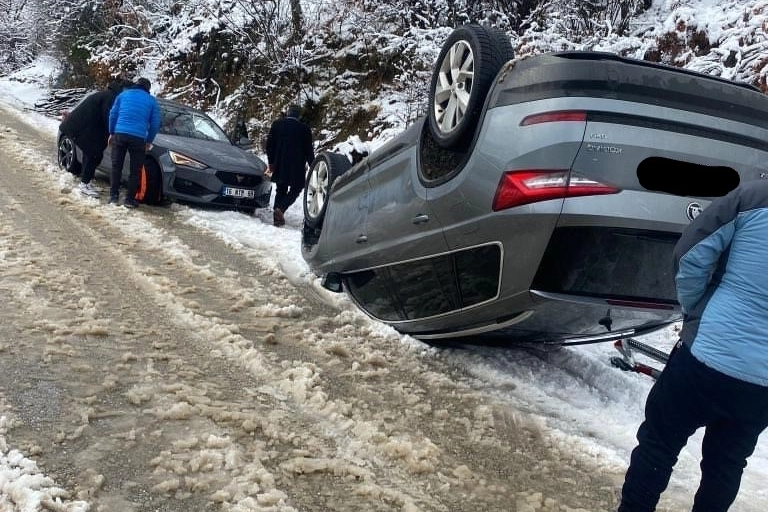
(133, 123)
(717, 377)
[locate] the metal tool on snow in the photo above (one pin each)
(627, 347)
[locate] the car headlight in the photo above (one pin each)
(179, 159)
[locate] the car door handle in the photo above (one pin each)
(421, 219)
(361, 239)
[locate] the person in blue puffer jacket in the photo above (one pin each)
(717, 377)
(133, 123)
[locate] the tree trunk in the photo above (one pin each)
(297, 22)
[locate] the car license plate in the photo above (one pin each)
(239, 192)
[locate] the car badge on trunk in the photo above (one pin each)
(693, 210)
(240, 178)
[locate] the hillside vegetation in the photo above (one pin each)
(357, 67)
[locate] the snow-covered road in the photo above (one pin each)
(183, 359)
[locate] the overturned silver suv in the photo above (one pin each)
(539, 200)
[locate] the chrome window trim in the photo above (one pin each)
(476, 330)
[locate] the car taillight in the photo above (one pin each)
(517, 188)
(554, 117)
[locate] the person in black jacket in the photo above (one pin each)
(289, 152)
(87, 126)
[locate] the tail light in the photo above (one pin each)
(555, 117)
(517, 188)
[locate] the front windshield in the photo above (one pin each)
(186, 123)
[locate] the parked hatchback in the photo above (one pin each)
(193, 161)
(540, 198)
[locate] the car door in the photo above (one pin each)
(343, 248)
(406, 273)
(400, 225)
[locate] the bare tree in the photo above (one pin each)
(17, 39)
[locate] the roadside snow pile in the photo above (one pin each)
(24, 488)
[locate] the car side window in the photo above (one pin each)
(370, 289)
(437, 164)
(425, 288)
(430, 286)
(478, 271)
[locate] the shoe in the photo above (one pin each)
(278, 219)
(113, 199)
(88, 190)
(130, 203)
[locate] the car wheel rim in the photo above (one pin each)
(317, 189)
(65, 154)
(454, 86)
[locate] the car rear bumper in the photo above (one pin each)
(606, 75)
(576, 320)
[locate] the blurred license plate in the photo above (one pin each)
(239, 192)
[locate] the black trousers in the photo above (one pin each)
(285, 196)
(89, 164)
(689, 395)
(135, 147)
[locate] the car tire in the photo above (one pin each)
(456, 97)
(66, 156)
(326, 167)
(150, 189)
(503, 45)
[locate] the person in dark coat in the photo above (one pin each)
(289, 152)
(87, 126)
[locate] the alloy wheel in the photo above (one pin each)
(317, 189)
(66, 153)
(454, 86)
